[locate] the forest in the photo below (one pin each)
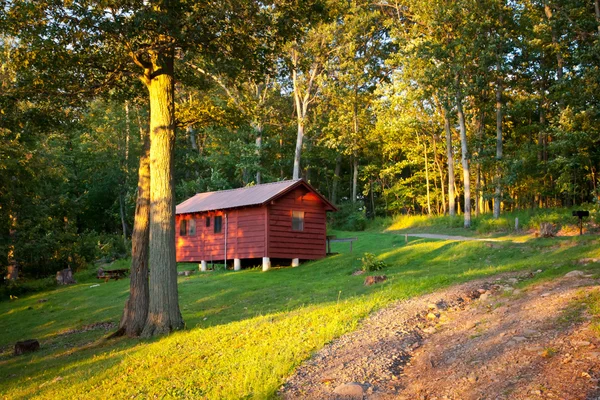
(386, 107)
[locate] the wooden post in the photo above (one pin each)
(237, 264)
(203, 266)
(295, 262)
(406, 238)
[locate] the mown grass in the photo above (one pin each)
(245, 331)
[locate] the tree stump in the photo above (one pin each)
(65, 277)
(26, 346)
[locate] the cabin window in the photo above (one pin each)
(183, 227)
(192, 227)
(208, 222)
(218, 223)
(297, 220)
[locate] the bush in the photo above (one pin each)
(370, 262)
(350, 217)
(22, 287)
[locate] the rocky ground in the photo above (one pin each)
(481, 340)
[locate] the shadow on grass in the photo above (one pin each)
(213, 299)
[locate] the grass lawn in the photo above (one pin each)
(245, 331)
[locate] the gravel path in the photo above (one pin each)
(479, 340)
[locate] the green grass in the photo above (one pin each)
(245, 331)
(485, 224)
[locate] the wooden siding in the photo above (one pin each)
(283, 242)
(245, 236)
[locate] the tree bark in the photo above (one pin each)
(498, 191)
(354, 179)
(465, 156)
(439, 166)
(427, 176)
(164, 315)
(136, 308)
(450, 156)
(336, 178)
(259, 132)
(597, 10)
(298, 152)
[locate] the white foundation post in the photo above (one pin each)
(266, 264)
(202, 266)
(295, 262)
(237, 264)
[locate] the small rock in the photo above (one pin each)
(470, 325)
(529, 333)
(513, 280)
(574, 274)
(580, 343)
(545, 294)
(371, 280)
(351, 390)
(26, 346)
(429, 330)
(484, 296)
(508, 288)
(519, 339)
(538, 271)
(534, 349)
(472, 378)
(482, 291)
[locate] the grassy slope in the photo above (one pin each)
(246, 331)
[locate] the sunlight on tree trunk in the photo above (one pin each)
(336, 178)
(465, 156)
(164, 315)
(450, 156)
(498, 190)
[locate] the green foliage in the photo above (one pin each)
(349, 217)
(370, 262)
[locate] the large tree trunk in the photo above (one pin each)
(498, 191)
(450, 156)
(465, 156)
(164, 315)
(136, 308)
(336, 178)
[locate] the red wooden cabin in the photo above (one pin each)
(280, 220)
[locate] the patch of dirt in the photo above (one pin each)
(107, 326)
(479, 340)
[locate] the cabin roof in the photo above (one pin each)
(244, 197)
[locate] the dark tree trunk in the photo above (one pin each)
(136, 308)
(336, 178)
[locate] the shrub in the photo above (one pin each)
(370, 262)
(350, 217)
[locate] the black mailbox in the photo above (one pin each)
(581, 214)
